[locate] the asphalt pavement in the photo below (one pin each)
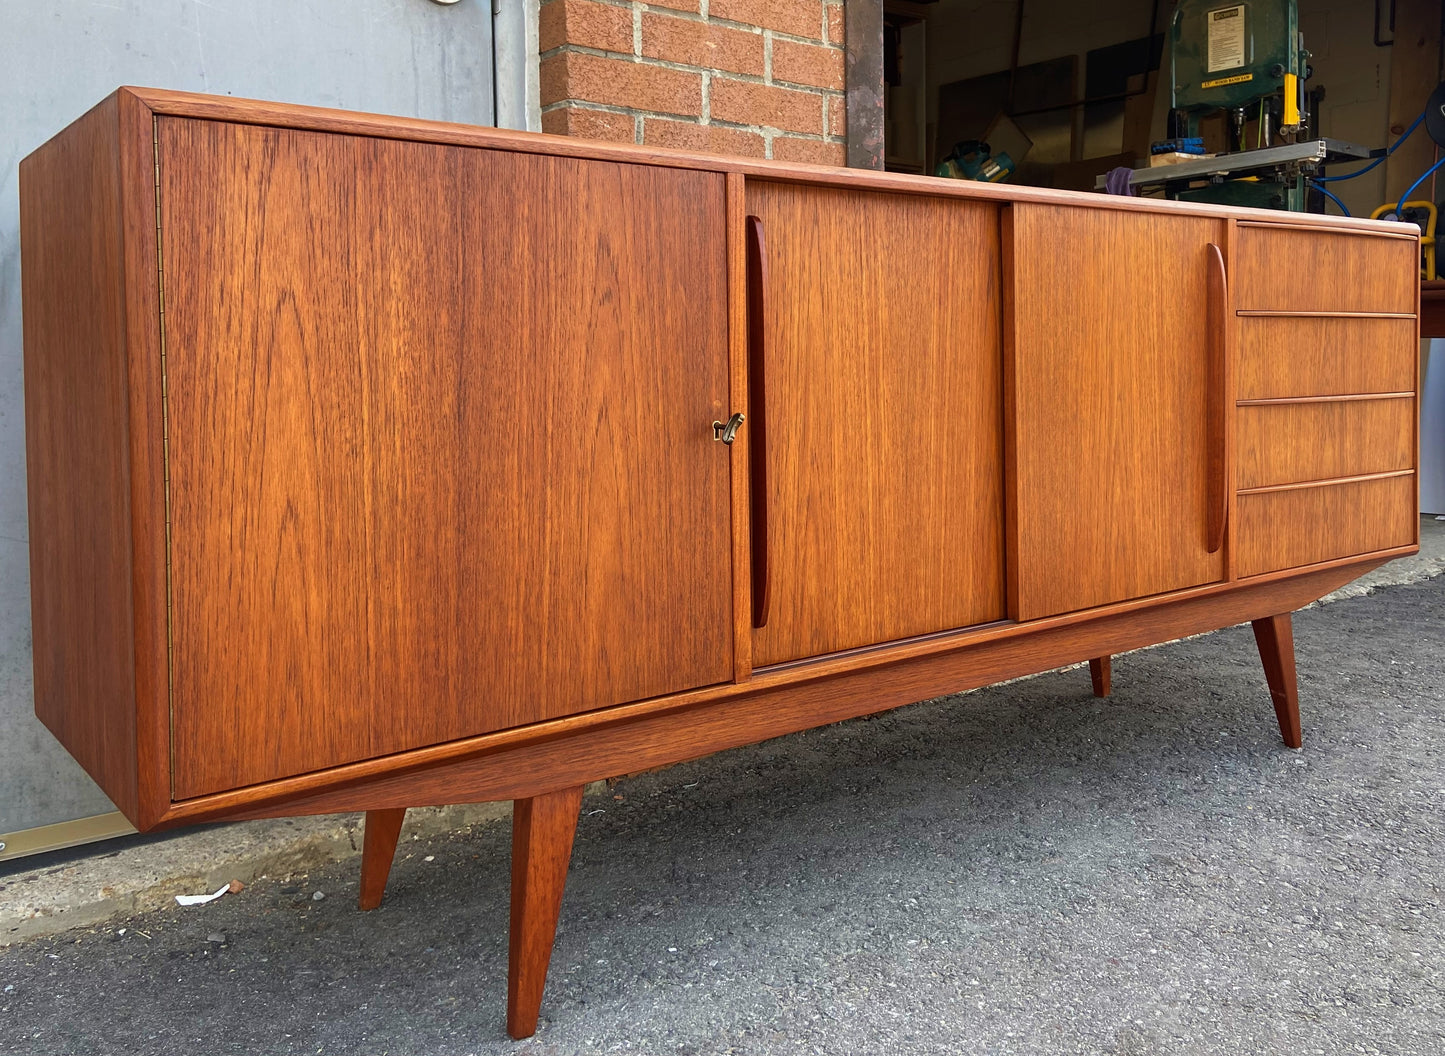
(1022, 869)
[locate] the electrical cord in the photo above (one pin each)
(1382, 157)
(1327, 193)
(1400, 209)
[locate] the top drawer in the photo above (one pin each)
(1284, 269)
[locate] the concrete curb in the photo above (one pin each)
(106, 885)
(103, 886)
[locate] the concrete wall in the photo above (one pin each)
(57, 58)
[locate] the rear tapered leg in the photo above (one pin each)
(1099, 674)
(1275, 638)
(542, 831)
(378, 847)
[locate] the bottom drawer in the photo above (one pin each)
(1300, 526)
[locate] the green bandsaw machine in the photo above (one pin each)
(1246, 60)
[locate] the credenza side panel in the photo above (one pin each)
(439, 442)
(884, 417)
(74, 290)
(1111, 406)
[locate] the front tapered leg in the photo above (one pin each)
(378, 847)
(1275, 638)
(542, 831)
(1099, 674)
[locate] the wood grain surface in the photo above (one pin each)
(77, 439)
(752, 714)
(884, 449)
(1274, 635)
(1281, 356)
(1109, 397)
(756, 280)
(1284, 269)
(150, 615)
(1300, 525)
(1284, 443)
(1219, 398)
(1101, 675)
(439, 442)
(378, 848)
(740, 478)
(543, 827)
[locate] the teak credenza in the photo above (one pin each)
(378, 463)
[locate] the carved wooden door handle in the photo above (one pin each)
(1217, 392)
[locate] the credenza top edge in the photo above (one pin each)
(165, 102)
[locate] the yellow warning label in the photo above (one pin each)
(1222, 81)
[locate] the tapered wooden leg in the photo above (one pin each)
(1099, 674)
(1275, 638)
(378, 847)
(542, 831)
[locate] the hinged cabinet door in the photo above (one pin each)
(438, 442)
(1115, 401)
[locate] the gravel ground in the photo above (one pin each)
(1023, 869)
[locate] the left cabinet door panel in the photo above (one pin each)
(438, 442)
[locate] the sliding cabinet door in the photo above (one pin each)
(1116, 405)
(881, 375)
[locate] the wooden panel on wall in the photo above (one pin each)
(1282, 356)
(1284, 443)
(1414, 72)
(1107, 374)
(883, 373)
(76, 448)
(1299, 526)
(439, 442)
(1287, 269)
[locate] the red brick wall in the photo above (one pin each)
(762, 78)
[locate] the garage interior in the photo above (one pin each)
(1069, 91)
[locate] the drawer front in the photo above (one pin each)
(1301, 526)
(1305, 270)
(1284, 356)
(1286, 443)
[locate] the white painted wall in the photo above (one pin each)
(1432, 426)
(414, 58)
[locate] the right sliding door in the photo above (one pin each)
(1114, 367)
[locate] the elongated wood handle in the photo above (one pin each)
(758, 418)
(1217, 327)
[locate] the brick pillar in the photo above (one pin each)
(762, 78)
